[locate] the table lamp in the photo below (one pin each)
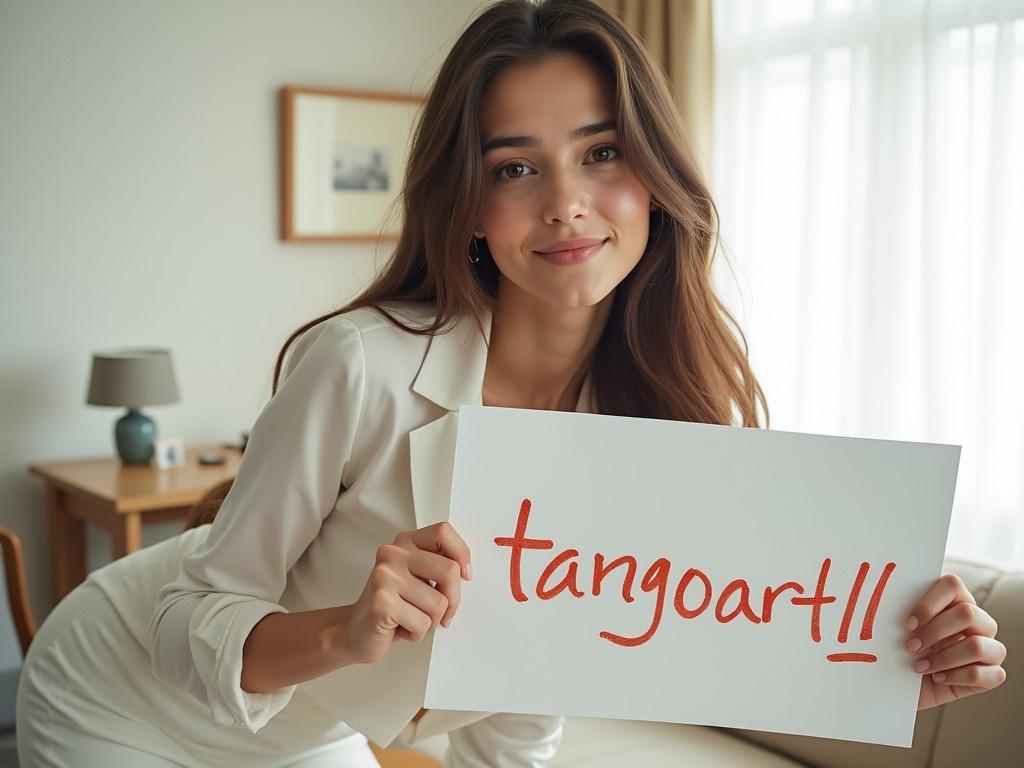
(133, 377)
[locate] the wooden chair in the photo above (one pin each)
(202, 512)
(17, 589)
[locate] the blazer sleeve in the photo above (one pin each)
(288, 482)
(504, 740)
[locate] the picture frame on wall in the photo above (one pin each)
(343, 160)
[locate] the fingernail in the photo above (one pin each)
(912, 623)
(922, 665)
(914, 644)
(467, 571)
(446, 621)
(938, 677)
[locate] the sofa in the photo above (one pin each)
(985, 730)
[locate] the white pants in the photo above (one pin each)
(87, 699)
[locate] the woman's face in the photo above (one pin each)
(543, 185)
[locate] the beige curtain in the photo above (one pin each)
(679, 36)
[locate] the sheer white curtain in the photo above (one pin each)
(869, 171)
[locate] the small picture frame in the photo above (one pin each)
(343, 161)
(169, 452)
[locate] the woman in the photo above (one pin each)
(555, 254)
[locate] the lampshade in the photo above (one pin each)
(132, 377)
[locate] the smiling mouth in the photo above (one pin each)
(572, 255)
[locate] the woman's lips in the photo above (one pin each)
(573, 255)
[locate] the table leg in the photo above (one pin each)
(127, 534)
(67, 545)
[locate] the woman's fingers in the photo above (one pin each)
(413, 622)
(954, 641)
(945, 643)
(429, 563)
(432, 602)
(444, 573)
(388, 611)
(947, 589)
(443, 539)
(973, 676)
(971, 650)
(955, 619)
(437, 558)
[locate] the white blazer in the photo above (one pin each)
(357, 445)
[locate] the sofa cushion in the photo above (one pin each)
(607, 743)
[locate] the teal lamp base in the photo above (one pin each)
(135, 437)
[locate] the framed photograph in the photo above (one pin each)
(169, 452)
(343, 159)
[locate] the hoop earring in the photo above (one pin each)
(474, 257)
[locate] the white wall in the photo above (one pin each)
(139, 206)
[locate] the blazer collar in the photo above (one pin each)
(452, 373)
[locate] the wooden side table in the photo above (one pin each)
(119, 499)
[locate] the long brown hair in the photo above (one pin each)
(667, 350)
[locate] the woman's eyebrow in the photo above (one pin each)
(529, 141)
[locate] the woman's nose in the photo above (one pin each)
(566, 199)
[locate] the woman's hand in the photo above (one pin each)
(399, 602)
(953, 642)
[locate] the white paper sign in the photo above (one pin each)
(693, 573)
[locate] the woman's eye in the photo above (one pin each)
(606, 148)
(518, 169)
(500, 170)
